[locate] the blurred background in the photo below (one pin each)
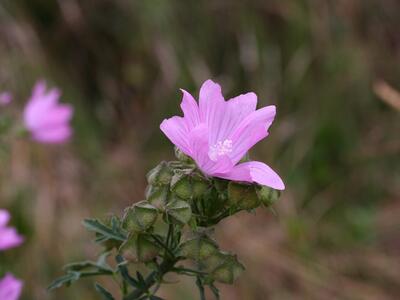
(331, 67)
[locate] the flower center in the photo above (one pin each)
(219, 149)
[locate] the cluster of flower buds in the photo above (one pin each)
(178, 194)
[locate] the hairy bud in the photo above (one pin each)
(181, 186)
(242, 196)
(160, 175)
(224, 267)
(157, 196)
(140, 216)
(178, 211)
(140, 248)
(267, 195)
(198, 248)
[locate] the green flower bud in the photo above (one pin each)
(157, 195)
(181, 186)
(178, 211)
(182, 156)
(140, 216)
(160, 175)
(199, 186)
(243, 196)
(198, 248)
(268, 196)
(224, 267)
(139, 248)
(146, 248)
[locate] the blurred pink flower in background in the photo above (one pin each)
(5, 98)
(9, 237)
(46, 119)
(217, 134)
(10, 287)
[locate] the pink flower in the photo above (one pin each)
(9, 238)
(5, 98)
(217, 134)
(10, 287)
(45, 118)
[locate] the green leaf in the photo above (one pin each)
(67, 279)
(125, 273)
(106, 295)
(106, 232)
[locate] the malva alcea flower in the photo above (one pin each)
(217, 134)
(9, 237)
(46, 119)
(5, 98)
(10, 287)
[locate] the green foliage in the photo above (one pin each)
(136, 238)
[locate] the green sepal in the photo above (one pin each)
(181, 185)
(160, 175)
(178, 211)
(140, 216)
(268, 196)
(198, 248)
(139, 248)
(243, 196)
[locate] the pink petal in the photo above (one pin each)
(54, 135)
(10, 287)
(243, 105)
(255, 171)
(4, 217)
(212, 108)
(198, 140)
(9, 238)
(236, 110)
(176, 129)
(190, 110)
(250, 131)
(55, 117)
(5, 98)
(39, 104)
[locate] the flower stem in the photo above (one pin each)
(165, 267)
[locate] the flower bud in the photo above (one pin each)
(198, 248)
(160, 175)
(267, 195)
(182, 156)
(242, 196)
(199, 186)
(178, 211)
(157, 195)
(181, 186)
(140, 216)
(224, 267)
(140, 248)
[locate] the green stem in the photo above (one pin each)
(200, 285)
(165, 267)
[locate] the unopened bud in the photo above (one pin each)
(198, 248)
(267, 195)
(157, 195)
(140, 216)
(225, 267)
(182, 156)
(140, 248)
(199, 186)
(181, 186)
(160, 175)
(178, 211)
(243, 196)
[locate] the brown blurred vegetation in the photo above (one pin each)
(336, 144)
